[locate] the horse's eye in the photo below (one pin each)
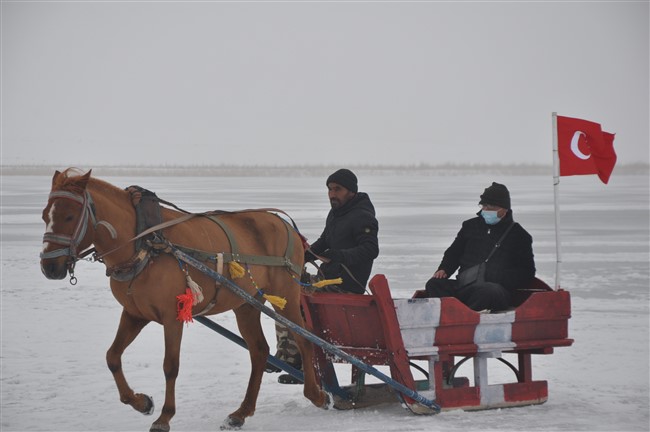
(69, 218)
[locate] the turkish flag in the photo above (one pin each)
(584, 148)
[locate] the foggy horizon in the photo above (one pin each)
(301, 83)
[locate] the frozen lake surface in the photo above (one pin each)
(54, 335)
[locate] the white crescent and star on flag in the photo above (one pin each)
(575, 148)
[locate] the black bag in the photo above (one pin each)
(475, 273)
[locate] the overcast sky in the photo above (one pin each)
(201, 83)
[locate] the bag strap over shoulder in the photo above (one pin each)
(498, 243)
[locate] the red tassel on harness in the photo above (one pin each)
(184, 306)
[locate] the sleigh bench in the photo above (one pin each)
(398, 333)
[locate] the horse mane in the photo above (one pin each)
(70, 180)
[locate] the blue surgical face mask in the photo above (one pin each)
(490, 217)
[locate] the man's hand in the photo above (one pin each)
(440, 274)
(333, 255)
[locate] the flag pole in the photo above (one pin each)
(556, 192)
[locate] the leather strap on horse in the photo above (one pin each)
(130, 269)
(181, 219)
(273, 261)
(147, 210)
(158, 227)
(234, 255)
(149, 221)
(228, 257)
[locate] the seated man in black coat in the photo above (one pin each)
(347, 248)
(348, 244)
(510, 265)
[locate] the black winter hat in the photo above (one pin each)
(496, 195)
(345, 178)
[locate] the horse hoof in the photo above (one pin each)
(159, 427)
(232, 423)
(329, 401)
(149, 405)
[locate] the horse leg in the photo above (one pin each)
(250, 327)
(311, 389)
(173, 335)
(128, 329)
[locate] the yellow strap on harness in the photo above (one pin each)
(326, 282)
(276, 301)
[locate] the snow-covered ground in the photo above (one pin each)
(55, 335)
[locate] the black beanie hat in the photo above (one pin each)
(345, 178)
(497, 195)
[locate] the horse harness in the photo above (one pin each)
(150, 241)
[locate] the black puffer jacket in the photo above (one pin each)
(512, 265)
(351, 229)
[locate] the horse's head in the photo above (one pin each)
(66, 216)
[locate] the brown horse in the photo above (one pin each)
(83, 211)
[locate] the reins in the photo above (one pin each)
(146, 232)
(187, 216)
(326, 260)
(133, 266)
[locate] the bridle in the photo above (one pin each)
(71, 242)
(88, 216)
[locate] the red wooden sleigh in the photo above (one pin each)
(401, 333)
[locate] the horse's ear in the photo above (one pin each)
(56, 174)
(83, 180)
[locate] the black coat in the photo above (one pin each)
(351, 229)
(512, 265)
